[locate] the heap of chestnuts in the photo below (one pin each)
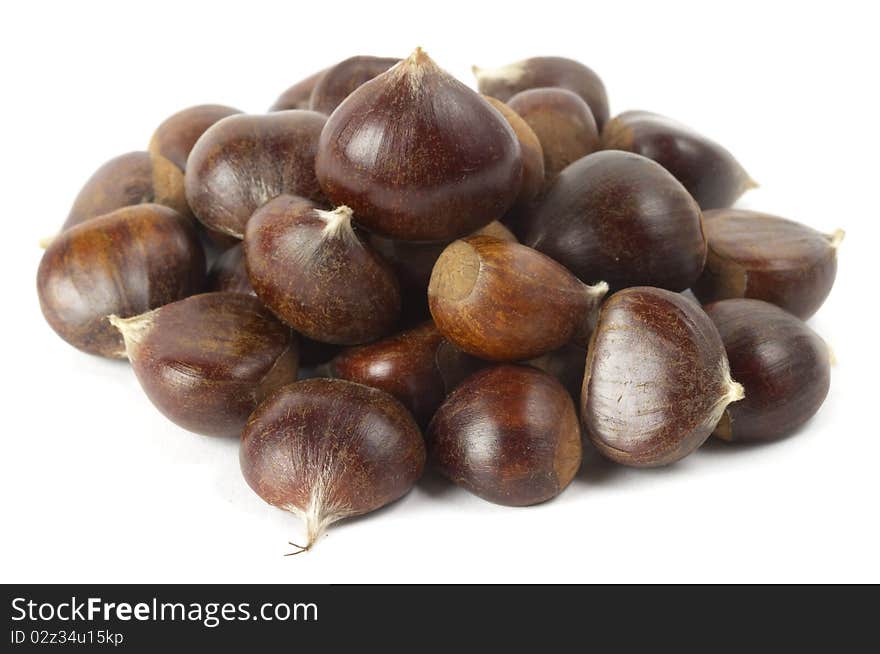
(390, 269)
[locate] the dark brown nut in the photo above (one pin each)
(124, 263)
(338, 82)
(563, 123)
(531, 152)
(784, 366)
(538, 72)
(207, 361)
(127, 180)
(298, 95)
(764, 257)
(508, 434)
(228, 273)
(657, 380)
(242, 162)
(502, 301)
(318, 275)
(328, 449)
(566, 364)
(419, 156)
(175, 137)
(706, 169)
(621, 218)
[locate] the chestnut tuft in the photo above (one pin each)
(621, 218)
(339, 81)
(538, 72)
(707, 170)
(508, 434)
(656, 380)
(207, 361)
(243, 161)
(502, 301)
(298, 95)
(419, 156)
(764, 257)
(318, 275)
(784, 366)
(328, 449)
(175, 137)
(125, 263)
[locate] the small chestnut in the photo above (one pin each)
(338, 81)
(508, 434)
(298, 95)
(328, 449)
(208, 360)
(537, 72)
(124, 263)
(621, 218)
(706, 169)
(756, 255)
(243, 161)
(175, 137)
(318, 275)
(784, 366)
(656, 381)
(419, 156)
(502, 301)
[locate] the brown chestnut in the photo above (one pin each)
(243, 161)
(228, 272)
(298, 95)
(566, 364)
(706, 169)
(207, 361)
(563, 123)
(175, 137)
(656, 381)
(508, 434)
(419, 156)
(338, 82)
(318, 275)
(537, 72)
(621, 218)
(784, 366)
(502, 301)
(756, 255)
(124, 263)
(328, 449)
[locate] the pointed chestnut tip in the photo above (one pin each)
(735, 392)
(836, 238)
(337, 222)
(132, 329)
(832, 358)
(45, 242)
(599, 290)
(418, 56)
(477, 71)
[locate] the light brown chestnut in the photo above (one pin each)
(298, 95)
(318, 275)
(124, 263)
(176, 135)
(756, 255)
(502, 301)
(207, 361)
(338, 81)
(657, 379)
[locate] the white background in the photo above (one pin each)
(97, 486)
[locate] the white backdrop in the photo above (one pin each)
(98, 486)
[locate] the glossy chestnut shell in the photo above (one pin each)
(175, 137)
(298, 95)
(339, 81)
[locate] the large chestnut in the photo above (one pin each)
(176, 135)
(621, 218)
(657, 379)
(328, 449)
(508, 434)
(124, 263)
(298, 95)
(764, 257)
(784, 366)
(243, 161)
(207, 361)
(502, 301)
(338, 81)
(419, 156)
(318, 275)
(708, 171)
(537, 72)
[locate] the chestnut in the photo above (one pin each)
(502, 301)
(784, 366)
(764, 257)
(124, 263)
(318, 275)
(563, 123)
(508, 434)
(621, 218)
(228, 272)
(566, 364)
(338, 81)
(298, 95)
(175, 137)
(243, 161)
(328, 449)
(656, 381)
(706, 169)
(207, 361)
(537, 72)
(418, 156)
